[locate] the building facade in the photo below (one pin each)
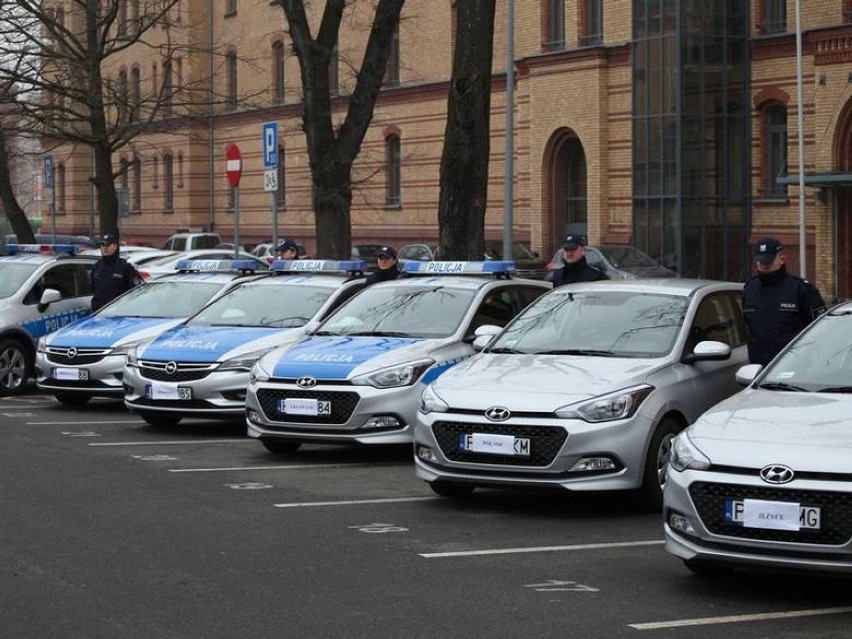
(671, 125)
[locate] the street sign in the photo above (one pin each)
(48, 171)
(270, 180)
(270, 145)
(235, 165)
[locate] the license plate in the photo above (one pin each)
(773, 515)
(71, 374)
(494, 444)
(300, 406)
(160, 391)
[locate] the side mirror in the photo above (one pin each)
(745, 374)
(483, 335)
(709, 351)
(49, 296)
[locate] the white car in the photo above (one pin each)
(166, 264)
(584, 390)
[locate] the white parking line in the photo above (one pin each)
(66, 423)
(511, 551)
(708, 621)
(354, 502)
(171, 442)
(228, 469)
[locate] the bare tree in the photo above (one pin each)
(464, 162)
(11, 207)
(332, 149)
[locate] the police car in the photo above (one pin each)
(358, 377)
(86, 359)
(43, 287)
(201, 366)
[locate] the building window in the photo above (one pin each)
(135, 94)
(775, 16)
(775, 118)
(168, 89)
(155, 172)
(554, 39)
(123, 96)
(278, 73)
(122, 19)
(591, 27)
(847, 11)
(280, 199)
(230, 7)
(334, 72)
(180, 171)
(59, 181)
(168, 183)
(393, 162)
(392, 71)
(231, 75)
(136, 191)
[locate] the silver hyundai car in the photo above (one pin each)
(584, 390)
(764, 479)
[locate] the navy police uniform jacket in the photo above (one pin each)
(777, 306)
(112, 276)
(385, 275)
(579, 271)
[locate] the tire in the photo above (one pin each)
(16, 367)
(163, 420)
(656, 463)
(451, 488)
(72, 399)
(280, 446)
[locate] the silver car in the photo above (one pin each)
(358, 377)
(763, 478)
(200, 367)
(584, 390)
(86, 359)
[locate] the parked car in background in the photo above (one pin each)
(369, 253)
(617, 261)
(166, 264)
(266, 251)
(192, 241)
(81, 241)
(763, 478)
(527, 263)
(416, 253)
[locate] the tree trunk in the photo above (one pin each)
(14, 213)
(464, 162)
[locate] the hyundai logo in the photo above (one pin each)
(776, 474)
(72, 353)
(306, 382)
(171, 368)
(498, 414)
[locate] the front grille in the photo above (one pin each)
(342, 405)
(185, 371)
(835, 513)
(545, 443)
(78, 384)
(174, 403)
(83, 356)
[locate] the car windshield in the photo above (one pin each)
(601, 323)
(626, 257)
(259, 305)
(494, 251)
(820, 360)
(13, 275)
(162, 299)
(401, 311)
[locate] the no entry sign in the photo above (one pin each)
(235, 165)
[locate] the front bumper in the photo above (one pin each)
(91, 371)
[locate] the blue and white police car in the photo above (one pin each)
(358, 377)
(43, 287)
(201, 367)
(86, 358)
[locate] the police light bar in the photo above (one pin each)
(458, 268)
(219, 266)
(318, 266)
(42, 249)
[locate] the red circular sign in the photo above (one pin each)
(235, 165)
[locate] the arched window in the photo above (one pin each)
(136, 187)
(393, 171)
(231, 78)
(392, 71)
(61, 197)
(168, 89)
(123, 97)
(278, 73)
(775, 150)
(135, 94)
(281, 192)
(168, 183)
(122, 19)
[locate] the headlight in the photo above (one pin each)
(259, 372)
(242, 362)
(619, 405)
(125, 349)
(132, 356)
(431, 403)
(685, 455)
(40, 345)
(400, 375)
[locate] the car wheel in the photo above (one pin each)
(706, 569)
(281, 446)
(161, 419)
(451, 488)
(15, 367)
(71, 399)
(656, 463)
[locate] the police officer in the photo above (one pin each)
(776, 304)
(388, 266)
(111, 275)
(288, 250)
(576, 269)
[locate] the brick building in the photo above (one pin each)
(667, 124)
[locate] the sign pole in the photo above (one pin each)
(270, 172)
(234, 171)
(49, 183)
(236, 222)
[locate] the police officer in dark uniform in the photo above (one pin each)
(776, 304)
(111, 275)
(288, 250)
(388, 266)
(576, 269)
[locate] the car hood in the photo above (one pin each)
(754, 428)
(102, 332)
(212, 343)
(341, 357)
(537, 383)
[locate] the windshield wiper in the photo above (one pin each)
(783, 386)
(378, 334)
(836, 389)
(506, 351)
(266, 321)
(579, 351)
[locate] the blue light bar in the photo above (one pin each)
(458, 268)
(318, 266)
(219, 266)
(42, 249)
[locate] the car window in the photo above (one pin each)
(718, 318)
(259, 305)
(595, 259)
(344, 296)
(205, 241)
(64, 279)
(13, 276)
(500, 306)
(163, 299)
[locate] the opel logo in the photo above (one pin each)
(306, 382)
(72, 353)
(497, 414)
(171, 368)
(776, 474)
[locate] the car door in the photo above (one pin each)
(73, 282)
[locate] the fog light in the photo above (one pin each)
(382, 421)
(252, 416)
(588, 464)
(680, 523)
(425, 453)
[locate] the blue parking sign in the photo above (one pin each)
(48, 171)
(270, 145)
